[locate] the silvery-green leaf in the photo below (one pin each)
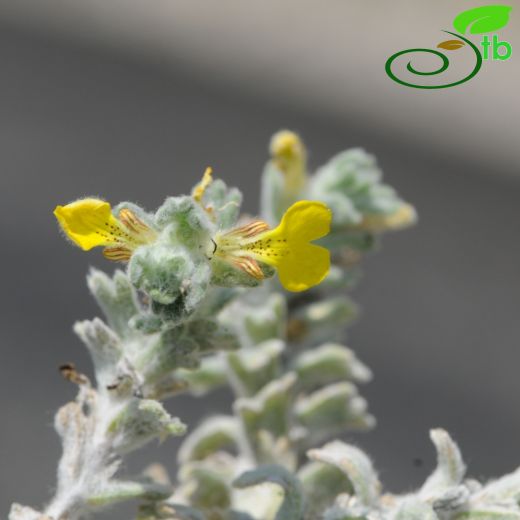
(350, 183)
(268, 410)
(146, 323)
(104, 347)
(450, 466)
(266, 321)
(488, 513)
(116, 297)
(256, 316)
(211, 373)
(331, 409)
(293, 505)
(75, 424)
(168, 386)
(216, 299)
(139, 422)
(205, 486)
(251, 369)
(322, 483)
(329, 363)
(224, 203)
(116, 491)
(162, 272)
(181, 347)
(169, 351)
(451, 501)
(275, 450)
(168, 511)
(184, 222)
(320, 321)
(355, 465)
(506, 488)
(210, 335)
(413, 508)
(340, 514)
(212, 435)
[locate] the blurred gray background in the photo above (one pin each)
(131, 100)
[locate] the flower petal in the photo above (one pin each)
(305, 266)
(304, 221)
(90, 223)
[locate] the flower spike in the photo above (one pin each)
(288, 247)
(90, 223)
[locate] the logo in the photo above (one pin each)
(480, 20)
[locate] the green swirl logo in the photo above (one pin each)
(479, 20)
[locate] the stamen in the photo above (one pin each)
(131, 221)
(250, 266)
(117, 254)
(249, 230)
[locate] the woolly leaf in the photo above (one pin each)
(268, 410)
(117, 299)
(331, 410)
(414, 509)
(506, 488)
(104, 347)
(140, 421)
(253, 368)
(292, 507)
(322, 483)
(118, 491)
(211, 373)
(212, 435)
(329, 363)
(205, 486)
(319, 322)
(488, 513)
(450, 467)
(355, 465)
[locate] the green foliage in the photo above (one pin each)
(292, 506)
(350, 184)
(179, 320)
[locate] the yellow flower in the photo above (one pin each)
(90, 223)
(299, 263)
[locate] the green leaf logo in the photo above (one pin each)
(484, 19)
